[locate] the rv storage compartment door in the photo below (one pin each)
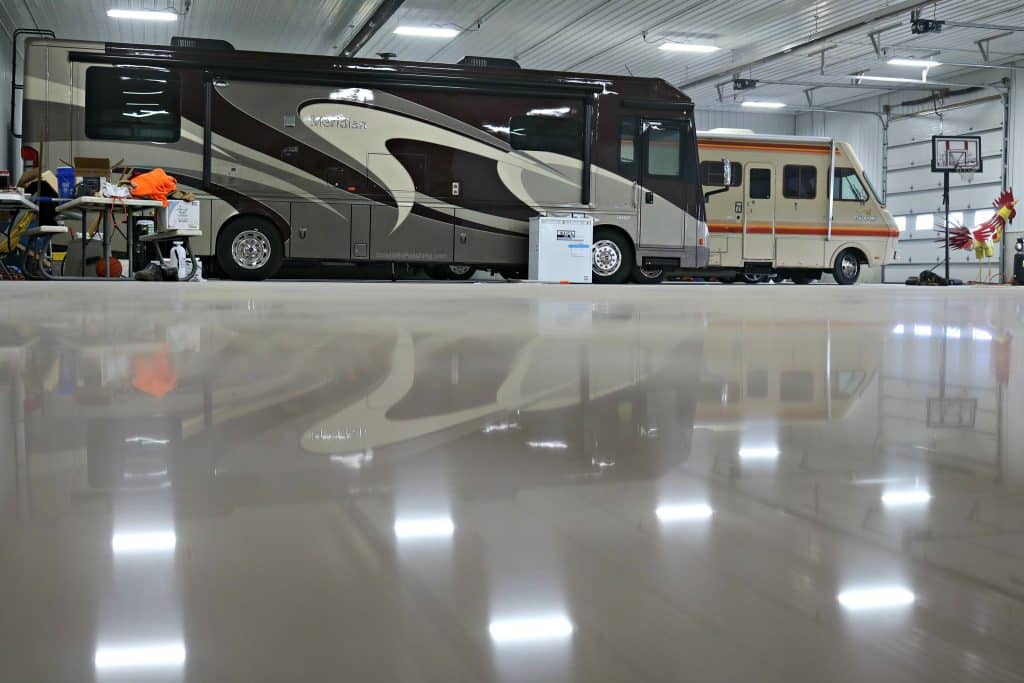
(321, 231)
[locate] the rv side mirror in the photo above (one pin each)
(726, 172)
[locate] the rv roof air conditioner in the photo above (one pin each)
(490, 62)
(201, 43)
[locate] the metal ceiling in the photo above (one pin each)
(603, 36)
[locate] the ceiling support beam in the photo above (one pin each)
(385, 10)
(844, 28)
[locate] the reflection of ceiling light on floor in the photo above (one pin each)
(759, 453)
(354, 461)
(500, 427)
(138, 542)
(504, 631)
(876, 598)
(980, 335)
(555, 445)
(906, 497)
(156, 656)
(437, 527)
(899, 329)
(922, 330)
(681, 513)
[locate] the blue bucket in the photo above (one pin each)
(65, 182)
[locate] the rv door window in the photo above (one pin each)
(712, 174)
(848, 187)
(800, 182)
(664, 149)
(760, 183)
(627, 148)
(547, 134)
(132, 104)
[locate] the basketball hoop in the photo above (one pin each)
(955, 154)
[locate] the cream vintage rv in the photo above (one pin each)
(772, 221)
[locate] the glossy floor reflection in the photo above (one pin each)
(377, 482)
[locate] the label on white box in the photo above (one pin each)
(182, 215)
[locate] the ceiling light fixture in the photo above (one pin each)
(750, 104)
(889, 79)
(142, 14)
(916, 63)
(689, 47)
(426, 31)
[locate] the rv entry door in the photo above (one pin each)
(662, 195)
(759, 217)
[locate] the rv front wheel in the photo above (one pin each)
(249, 249)
(612, 257)
(847, 268)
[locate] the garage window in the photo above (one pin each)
(132, 104)
(712, 174)
(547, 134)
(848, 187)
(800, 182)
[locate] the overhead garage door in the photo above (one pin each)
(915, 193)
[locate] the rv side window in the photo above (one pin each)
(848, 187)
(547, 134)
(664, 149)
(627, 148)
(712, 174)
(760, 183)
(800, 182)
(132, 104)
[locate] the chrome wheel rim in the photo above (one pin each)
(607, 258)
(849, 266)
(459, 270)
(251, 249)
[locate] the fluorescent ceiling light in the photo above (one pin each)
(751, 104)
(760, 453)
(889, 79)
(156, 656)
(438, 527)
(876, 598)
(689, 47)
(143, 14)
(900, 497)
(138, 542)
(919, 63)
(426, 31)
(530, 629)
(681, 513)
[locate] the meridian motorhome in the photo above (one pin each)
(773, 219)
(361, 161)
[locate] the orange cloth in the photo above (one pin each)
(155, 184)
(154, 374)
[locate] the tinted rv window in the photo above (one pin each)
(848, 186)
(132, 104)
(712, 174)
(664, 149)
(800, 182)
(627, 148)
(547, 134)
(760, 183)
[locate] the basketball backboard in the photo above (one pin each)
(956, 154)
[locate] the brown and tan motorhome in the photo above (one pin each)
(321, 158)
(795, 208)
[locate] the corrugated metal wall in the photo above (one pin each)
(767, 124)
(864, 132)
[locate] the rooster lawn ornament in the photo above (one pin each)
(984, 238)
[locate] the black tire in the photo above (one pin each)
(806, 278)
(458, 271)
(755, 278)
(614, 252)
(249, 248)
(648, 276)
(846, 270)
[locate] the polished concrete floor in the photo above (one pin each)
(477, 482)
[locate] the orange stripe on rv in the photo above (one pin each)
(764, 147)
(814, 230)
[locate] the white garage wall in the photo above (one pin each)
(862, 131)
(765, 124)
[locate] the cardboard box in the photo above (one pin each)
(92, 167)
(560, 249)
(182, 215)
